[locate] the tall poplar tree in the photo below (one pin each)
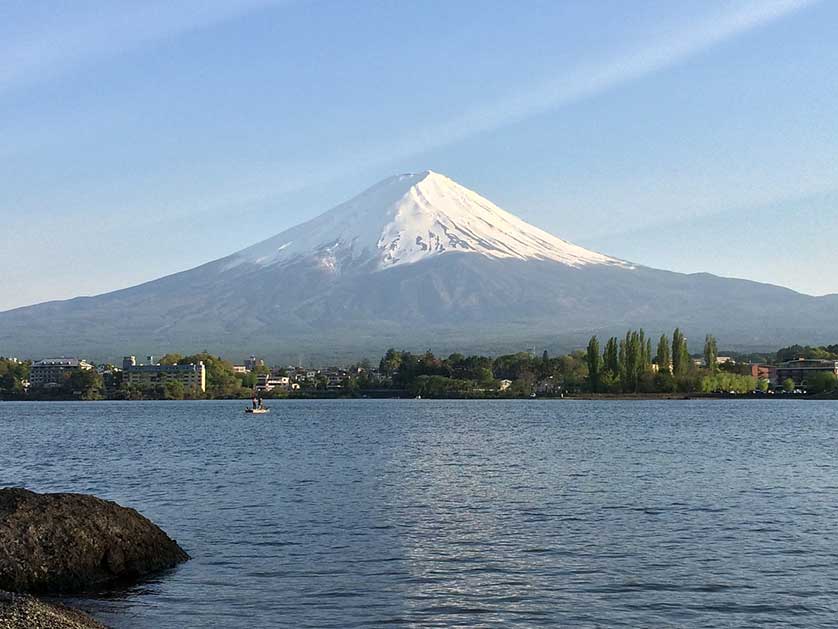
(594, 360)
(663, 356)
(711, 352)
(634, 349)
(623, 370)
(680, 354)
(611, 357)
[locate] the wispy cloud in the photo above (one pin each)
(570, 86)
(105, 29)
(268, 181)
(589, 80)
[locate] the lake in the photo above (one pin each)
(364, 513)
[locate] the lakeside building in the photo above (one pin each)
(252, 363)
(266, 382)
(335, 378)
(240, 369)
(192, 376)
(720, 360)
(51, 372)
(306, 375)
(764, 372)
(801, 369)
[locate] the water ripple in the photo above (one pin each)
(459, 514)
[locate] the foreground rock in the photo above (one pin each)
(61, 543)
(19, 611)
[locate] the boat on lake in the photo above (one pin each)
(258, 408)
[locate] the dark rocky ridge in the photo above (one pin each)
(62, 543)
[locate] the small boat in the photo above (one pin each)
(258, 408)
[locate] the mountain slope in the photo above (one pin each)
(416, 261)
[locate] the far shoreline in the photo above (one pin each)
(588, 397)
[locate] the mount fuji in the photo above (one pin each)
(416, 261)
(412, 218)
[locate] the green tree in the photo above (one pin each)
(171, 359)
(724, 382)
(484, 376)
(594, 360)
(680, 354)
(173, 390)
(821, 382)
(644, 358)
(390, 363)
(633, 359)
(664, 382)
(611, 357)
(664, 357)
(788, 385)
(222, 381)
(84, 383)
(711, 352)
(571, 371)
(13, 373)
(440, 386)
(609, 383)
(793, 352)
(623, 371)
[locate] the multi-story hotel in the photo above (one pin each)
(191, 376)
(51, 372)
(799, 370)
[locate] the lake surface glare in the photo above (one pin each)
(364, 513)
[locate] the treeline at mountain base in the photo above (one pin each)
(629, 366)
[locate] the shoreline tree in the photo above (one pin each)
(680, 354)
(594, 360)
(663, 356)
(711, 353)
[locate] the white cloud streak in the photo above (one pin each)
(586, 81)
(570, 86)
(574, 85)
(109, 29)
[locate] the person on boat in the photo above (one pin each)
(254, 402)
(260, 402)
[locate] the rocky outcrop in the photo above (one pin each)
(62, 543)
(19, 611)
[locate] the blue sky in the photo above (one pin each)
(140, 139)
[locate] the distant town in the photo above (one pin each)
(627, 366)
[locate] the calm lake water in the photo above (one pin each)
(459, 513)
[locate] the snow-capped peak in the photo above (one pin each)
(412, 217)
